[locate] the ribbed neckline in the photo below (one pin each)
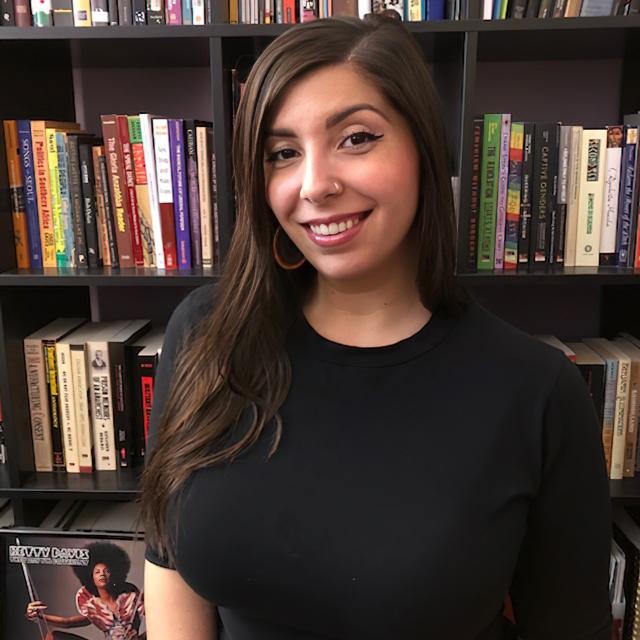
(431, 334)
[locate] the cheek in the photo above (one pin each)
(282, 193)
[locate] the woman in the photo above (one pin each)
(343, 445)
(105, 598)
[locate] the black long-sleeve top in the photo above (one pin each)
(415, 485)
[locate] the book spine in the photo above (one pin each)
(125, 13)
(613, 160)
(476, 161)
(289, 10)
(65, 200)
(573, 196)
(214, 197)
(142, 192)
(16, 192)
(82, 13)
(42, 14)
(56, 198)
(206, 227)
(62, 13)
(67, 408)
(609, 409)
(179, 186)
(139, 8)
(131, 202)
(591, 193)
(620, 420)
(75, 188)
(194, 197)
(174, 12)
(54, 404)
(513, 196)
(37, 393)
(116, 184)
(88, 205)
(108, 210)
(100, 13)
(187, 12)
(526, 196)
(81, 406)
(631, 436)
(103, 238)
(503, 178)
(29, 189)
(561, 201)
(23, 13)
(147, 373)
(165, 191)
(113, 12)
(489, 191)
(155, 11)
(101, 405)
(540, 224)
(122, 418)
(625, 197)
(146, 129)
(43, 191)
(552, 193)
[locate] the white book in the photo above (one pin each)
(204, 180)
(68, 423)
(198, 11)
(611, 191)
(163, 160)
(150, 166)
(364, 7)
(487, 9)
(592, 174)
(573, 196)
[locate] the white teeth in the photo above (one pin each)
(333, 228)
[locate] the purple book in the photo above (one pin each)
(180, 202)
(194, 193)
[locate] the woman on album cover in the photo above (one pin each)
(105, 599)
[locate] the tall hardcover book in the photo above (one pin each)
(573, 196)
(142, 192)
(489, 191)
(180, 192)
(117, 190)
(512, 232)
(16, 191)
(42, 389)
(592, 167)
(613, 163)
(29, 190)
(503, 183)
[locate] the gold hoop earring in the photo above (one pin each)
(285, 265)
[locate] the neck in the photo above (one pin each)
(378, 310)
(104, 594)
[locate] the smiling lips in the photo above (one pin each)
(336, 229)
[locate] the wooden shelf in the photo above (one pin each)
(555, 276)
(99, 485)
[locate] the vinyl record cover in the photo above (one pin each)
(72, 588)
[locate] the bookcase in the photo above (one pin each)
(582, 70)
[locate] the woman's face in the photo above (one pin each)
(101, 575)
(342, 174)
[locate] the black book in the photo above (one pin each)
(155, 11)
(517, 9)
(89, 207)
(526, 195)
(139, 8)
(633, 120)
(552, 194)
(533, 7)
(108, 212)
(125, 17)
(77, 213)
(563, 195)
(62, 13)
(113, 12)
(545, 10)
(474, 200)
(8, 17)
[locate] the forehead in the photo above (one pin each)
(323, 92)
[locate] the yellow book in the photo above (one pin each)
(43, 188)
(233, 11)
(81, 13)
(56, 198)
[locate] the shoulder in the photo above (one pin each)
(191, 309)
(83, 599)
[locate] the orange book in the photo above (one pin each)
(20, 232)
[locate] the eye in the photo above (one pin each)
(360, 138)
(281, 154)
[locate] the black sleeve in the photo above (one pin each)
(560, 586)
(183, 319)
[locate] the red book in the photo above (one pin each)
(131, 201)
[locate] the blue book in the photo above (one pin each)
(435, 9)
(187, 12)
(180, 192)
(65, 197)
(30, 197)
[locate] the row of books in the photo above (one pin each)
(546, 193)
(103, 13)
(144, 198)
(501, 9)
(611, 369)
(90, 389)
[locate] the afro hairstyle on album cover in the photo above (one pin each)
(112, 555)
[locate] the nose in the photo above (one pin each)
(318, 179)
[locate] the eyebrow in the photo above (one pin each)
(331, 121)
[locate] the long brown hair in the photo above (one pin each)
(236, 360)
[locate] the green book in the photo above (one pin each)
(489, 191)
